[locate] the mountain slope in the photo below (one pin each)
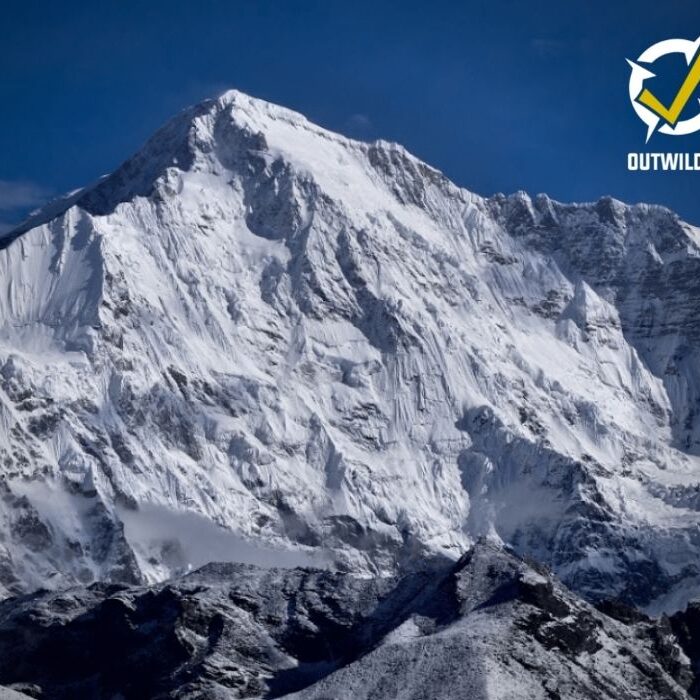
(261, 341)
(488, 627)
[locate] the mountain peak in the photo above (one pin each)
(237, 132)
(252, 303)
(241, 102)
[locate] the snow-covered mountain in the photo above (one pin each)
(260, 341)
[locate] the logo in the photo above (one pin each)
(654, 113)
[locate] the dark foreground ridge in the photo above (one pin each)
(489, 626)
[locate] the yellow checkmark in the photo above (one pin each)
(672, 114)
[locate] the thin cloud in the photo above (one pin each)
(21, 195)
(360, 121)
(358, 125)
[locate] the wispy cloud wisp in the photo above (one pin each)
(21, 195)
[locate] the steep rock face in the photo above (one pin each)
(645, 261)
(488, 627)
(258, 339)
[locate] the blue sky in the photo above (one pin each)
(500, 96)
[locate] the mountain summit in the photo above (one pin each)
(260, 341)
